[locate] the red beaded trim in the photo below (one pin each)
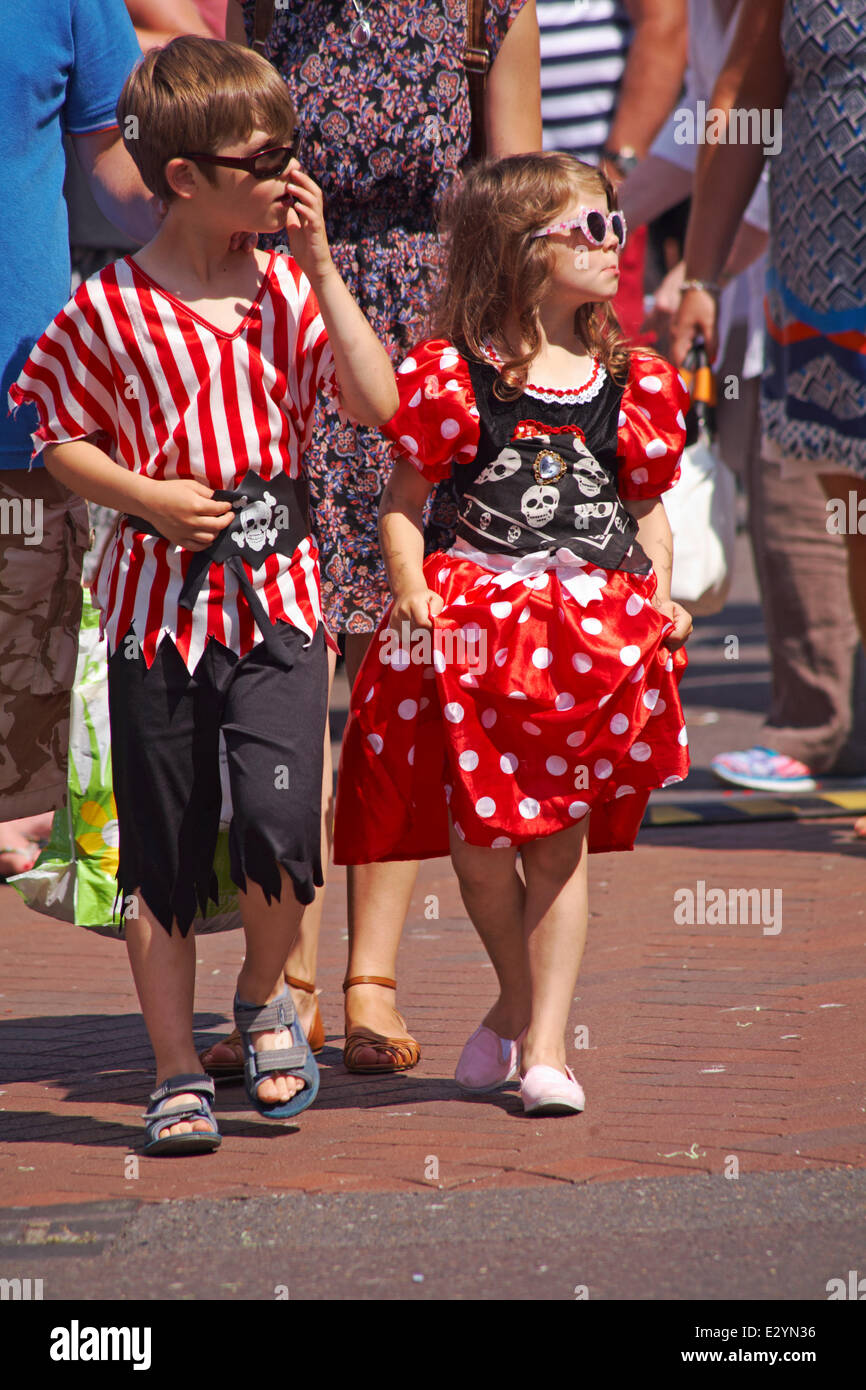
(549, 390)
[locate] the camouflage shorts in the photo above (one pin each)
(44, 533)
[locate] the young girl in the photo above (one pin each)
(530, 704)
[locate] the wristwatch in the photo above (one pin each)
(623, 160)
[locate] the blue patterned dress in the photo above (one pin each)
(384, 130)
(814, 388)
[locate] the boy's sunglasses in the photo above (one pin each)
(267, 164)
(594, 225)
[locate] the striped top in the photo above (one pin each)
(171, 396)
(584, 44)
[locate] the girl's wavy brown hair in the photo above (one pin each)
(495, 268)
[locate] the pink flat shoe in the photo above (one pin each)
(545, 1091)
(488, 1061)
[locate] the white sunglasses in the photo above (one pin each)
(595, 226)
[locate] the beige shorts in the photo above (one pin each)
(44, 532)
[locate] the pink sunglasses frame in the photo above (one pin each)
(582, 221)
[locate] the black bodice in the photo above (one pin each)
(545, 476)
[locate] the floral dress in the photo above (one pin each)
(384, 130)
(548, 691)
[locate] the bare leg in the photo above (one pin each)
(839, 485)
(494, 897)
(378, 904)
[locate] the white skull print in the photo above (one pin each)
(538, 504)
(505, 463)
(589, 473)
(255, 521)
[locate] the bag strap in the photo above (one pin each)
(476, 61)
(263, 22)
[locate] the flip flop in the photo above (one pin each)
(298, 1060)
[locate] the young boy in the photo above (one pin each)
(178, 386)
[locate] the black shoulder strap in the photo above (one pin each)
(263, 22)
(476, 61)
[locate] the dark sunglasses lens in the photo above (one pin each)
(618, 228)
(272, 163)
(596, 226)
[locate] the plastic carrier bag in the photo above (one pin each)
(74, 877)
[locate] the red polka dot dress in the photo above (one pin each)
(545, 692)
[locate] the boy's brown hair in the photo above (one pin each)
(495, 267)
(197, 94)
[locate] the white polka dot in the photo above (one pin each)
(410, 756)
(682, 383)
(618, 724)
(642, 410)
(400, 660)
(459, 831)
(500, 610)
(468, 760)
(576, 739)
(449, 429)
(650, 698)
(660, 708)
(516, 695)
(592, 626)
(439, 662)
(624, 790)
(683, 737)
(639, 476)
(634, 605)
(442, 576)
(655, 449)
(577, 809)
(375, 742)
(542, 657)
(629, 655)
(384, 654)
(681, 420)
(637, 674)
(530, 728)
(501, 656)
(622, 419)
(564, 701)
(540, 581)
(509, 763)
(652, 384)
(582, 663)
(528, 808)
(416, 400)
(409, 443)
(452, 384)
(468, 681)
(669, 664)
(460, 600)
(671, 781)
(524, 616)
(453, 712)
(488, 718)
(501, 842)
(556, 766)
(603, 768)
(406, 366)
(598, 574)
(448, 360)
(603, 701)
(370, 693)
(407, 709)
(640, 752)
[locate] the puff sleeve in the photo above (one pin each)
(652, 428)
(437, 420)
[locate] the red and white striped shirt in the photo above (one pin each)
(171, 396)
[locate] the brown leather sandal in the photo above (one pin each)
(224, 1071)
(401, 1054)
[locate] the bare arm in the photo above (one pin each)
(654, 537)
(116, 184)
(401, 536)
(512, 96)
(158, 21)
(653, 73)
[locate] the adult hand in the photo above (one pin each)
(696, 316)
(666, 302)
(187, 513)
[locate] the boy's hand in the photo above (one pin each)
(418, 609)
(681, 619)
(305, 224)
(187, 513)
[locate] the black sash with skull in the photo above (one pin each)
(545, 476)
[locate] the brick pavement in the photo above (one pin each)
(704, 1042)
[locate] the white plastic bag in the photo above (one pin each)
(701, 509)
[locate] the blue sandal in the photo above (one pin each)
(158, 1118)
(298, 1060)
